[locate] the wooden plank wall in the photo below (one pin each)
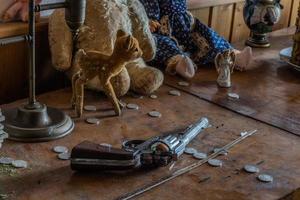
(227, 19)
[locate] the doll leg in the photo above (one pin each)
(172, 57)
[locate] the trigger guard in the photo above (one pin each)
(131, 145)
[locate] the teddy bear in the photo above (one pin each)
(104, 18)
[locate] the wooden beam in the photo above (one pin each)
(195, 4)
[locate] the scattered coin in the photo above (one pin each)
(183, 83)
(90, 108)
(215, 163)
(6, 160)
(155, 114)
(1, 127)
(174, 92)
(60, 149)
(233, 95)
(93, 121)
(64, 156)
(199, 155)
(190, 151)
(265, 178)
(106, 145)
(2, 118)
(19, 164)
(153, 96)
(132, 106)
(251, 169)
(221, 151)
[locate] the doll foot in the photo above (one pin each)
(243, 59)
(181, 65)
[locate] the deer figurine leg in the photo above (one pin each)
(79, 96)
(75, 77)
(109, 91)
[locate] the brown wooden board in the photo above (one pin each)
(50, 178)
(270, 92)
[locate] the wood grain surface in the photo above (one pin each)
(50, 178)
(269, 92)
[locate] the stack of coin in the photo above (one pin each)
(12, 162)
(3, 135)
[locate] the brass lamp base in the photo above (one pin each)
(257, 40)
(36, 123)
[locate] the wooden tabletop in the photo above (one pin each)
(276, 150)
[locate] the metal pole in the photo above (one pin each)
(31, 42)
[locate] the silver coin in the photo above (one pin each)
(90, 108)
(221, 151)
(19, 164)
(215, 163)
(132, 106)
(154, 114)
(174, 93)
(183, 83)
(2, 118)
(233, 95)
(1, 126)
(60, 149)
(251, 169)
(106, 145)
(93, 121)
(265, 178)
(200, 156)
(6, 160)
(190, 151)
(153, 96)
(64, 156)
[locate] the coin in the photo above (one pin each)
(106, 145)
(90, 108)
(221, 151)
(2, 118)
(183, 83)
(154, 114)
(93, 121)
(60, 149)
(174, 93)
(6, 160)
(64, 156)
(19, 164)
(153, 96)
(1, 127)
(199, 155)
(132, 106)
(190, 151)
(233, 95)
(265, 178)
(215, 163)
(251, 169)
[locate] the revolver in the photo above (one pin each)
(157, 151)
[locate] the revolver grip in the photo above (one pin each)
(88, 156)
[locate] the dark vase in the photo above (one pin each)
(260, 16)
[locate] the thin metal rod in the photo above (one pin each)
(43, 7)
(12, 40)
(31, 44)
(185, 169)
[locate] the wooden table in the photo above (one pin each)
(277, 150)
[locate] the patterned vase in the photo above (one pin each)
(260, 16)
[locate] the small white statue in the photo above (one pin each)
(225, 63)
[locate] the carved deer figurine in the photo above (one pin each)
(225, 63)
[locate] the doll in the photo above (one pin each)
(183, 42)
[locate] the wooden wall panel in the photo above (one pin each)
(221, 19)
(240, 31)
(203, 14)
(294, 12)
(285, 15)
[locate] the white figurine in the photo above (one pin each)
(225, 63)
